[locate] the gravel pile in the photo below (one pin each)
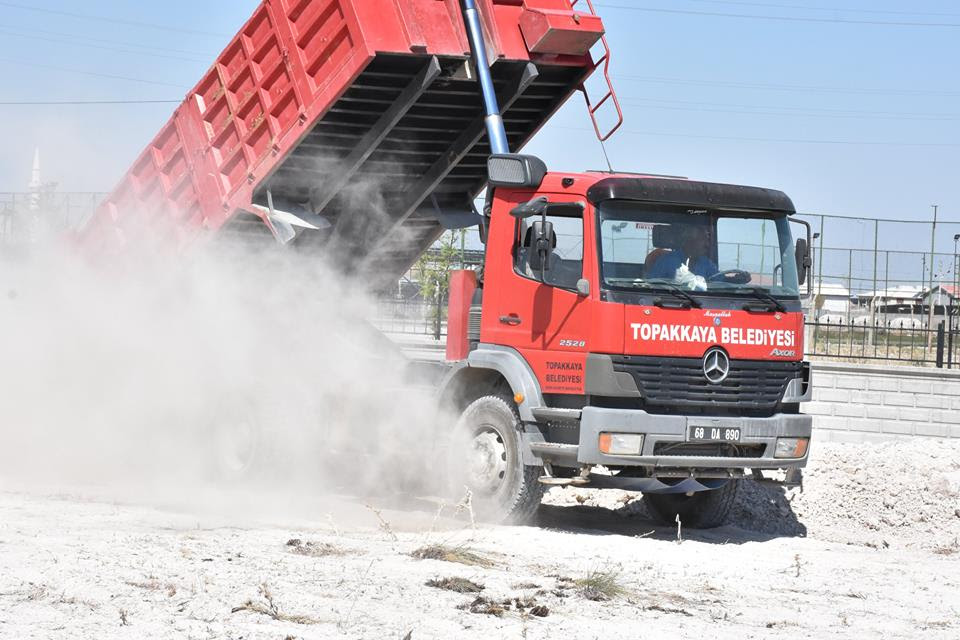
(894, 494)
(902, 494)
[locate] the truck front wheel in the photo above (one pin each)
(702, 510)
(488, 460)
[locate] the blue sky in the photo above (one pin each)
(846, 115)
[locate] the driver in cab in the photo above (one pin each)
(693, 253)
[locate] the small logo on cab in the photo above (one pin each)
(716, 365)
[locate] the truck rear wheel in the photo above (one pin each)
(488, 460)
(240, 449)
(702, 510)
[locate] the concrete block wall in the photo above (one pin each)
(876, 403)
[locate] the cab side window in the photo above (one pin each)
(753, 245)
(566, 263)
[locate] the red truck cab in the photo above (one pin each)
(648, 324)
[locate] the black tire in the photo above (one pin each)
(240, 448)
(702, 510)
(487, 458)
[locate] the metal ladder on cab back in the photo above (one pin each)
(611, 94)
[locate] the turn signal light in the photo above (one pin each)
(791, 447)
(621, 444)
(519, 398)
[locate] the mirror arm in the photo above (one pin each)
(541, 247)
(807, 260)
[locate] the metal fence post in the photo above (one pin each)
(940, 335)
(886, 287)
(849, 280)
(950, 346)
(873, 298)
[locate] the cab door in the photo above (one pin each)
(544, 317)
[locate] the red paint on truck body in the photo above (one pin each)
(689, 333)
(463, 284)
(279, 76)
(558, 328)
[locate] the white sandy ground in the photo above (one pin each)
(82, 565)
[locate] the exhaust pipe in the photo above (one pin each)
(494, 120)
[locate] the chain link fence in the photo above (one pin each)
(881, 289)
(878, 293)
(884, 290)
(30, 217)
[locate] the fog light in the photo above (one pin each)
(621, 444)
(791, 447)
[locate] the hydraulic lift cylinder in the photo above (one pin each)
(494, 120)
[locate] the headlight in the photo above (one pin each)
(791, 447)
(621, 444)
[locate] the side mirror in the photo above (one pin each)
(802, 256)
(583, 288)
(542, 242)
(514, 170)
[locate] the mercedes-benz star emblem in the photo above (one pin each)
(716, 365)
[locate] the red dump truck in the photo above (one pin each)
(634, 331)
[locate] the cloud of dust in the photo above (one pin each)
(225, 369)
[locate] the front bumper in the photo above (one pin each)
(759, 434)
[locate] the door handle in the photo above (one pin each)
(512, 319)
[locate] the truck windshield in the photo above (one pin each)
(699, 250)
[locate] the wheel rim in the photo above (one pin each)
(486, 461)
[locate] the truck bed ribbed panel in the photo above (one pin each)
(362, 108)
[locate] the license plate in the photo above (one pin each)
(714, 434)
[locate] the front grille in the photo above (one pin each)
(709, 450)
(678, 385)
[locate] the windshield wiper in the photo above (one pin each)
(679, 292)
(764, 295)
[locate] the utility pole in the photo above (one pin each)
(933, 244)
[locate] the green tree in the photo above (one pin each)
(433, 272)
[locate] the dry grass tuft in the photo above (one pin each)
(601, 586)
(485, 607)
(461, 555)
(522, 606)
(948, 549)
(154, 585)
(76, 602)
(663, 609)
(36, 592)
(457, 585)
(523, 586)
(384, 523)
(314, 549)
(268, 607)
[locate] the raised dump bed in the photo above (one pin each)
(364, 116)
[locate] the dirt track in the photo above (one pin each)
(82, 567)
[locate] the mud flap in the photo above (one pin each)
(531, 434)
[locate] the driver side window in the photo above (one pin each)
(566, 264)
(751, 245)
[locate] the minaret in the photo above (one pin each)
(35, 183)
(33, 200)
